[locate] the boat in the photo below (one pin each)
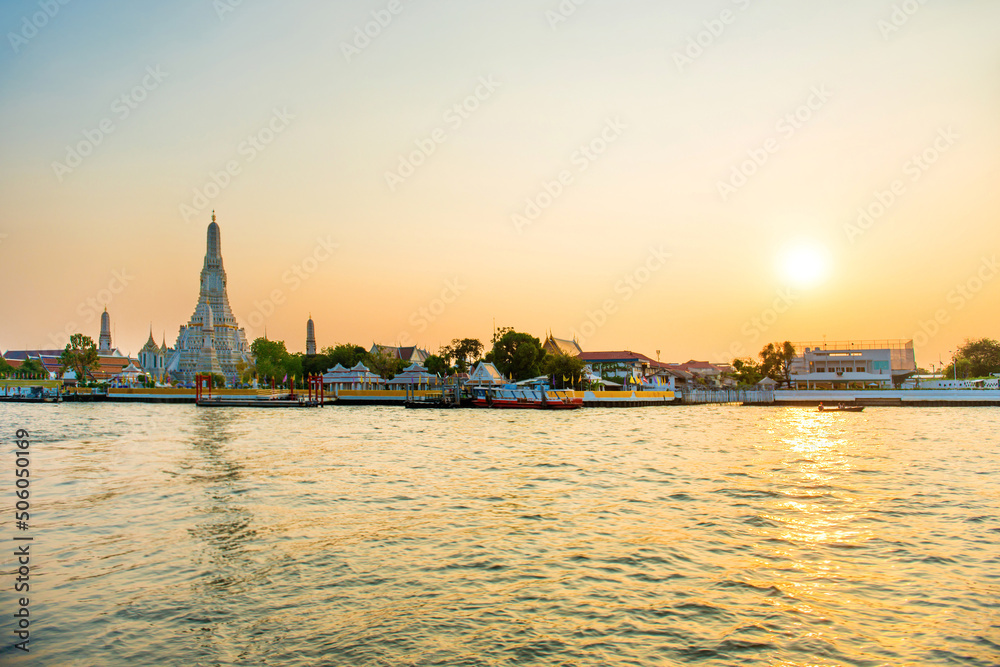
(533, 397)
(842, 408)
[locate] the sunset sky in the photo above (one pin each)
(697, 168)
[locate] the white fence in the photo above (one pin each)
(697, 396)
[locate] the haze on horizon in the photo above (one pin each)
(686, 193)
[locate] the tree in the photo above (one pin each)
(218, 380)
(437, 365)
(463, 352)
(5, 368)
(500, 332)
(776, 362)
(315, 364)
(385, 365)
(270, 356)
(244, 371)
(983, 356)
(80, 356)
(964, 372)
(347, 355)
(517, 355)
(747, 371)
(31, 368)
(293, 367)
(564, 370)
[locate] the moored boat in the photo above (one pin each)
(536, 397)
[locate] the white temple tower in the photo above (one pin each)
(211, 339)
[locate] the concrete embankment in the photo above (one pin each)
(919, 398)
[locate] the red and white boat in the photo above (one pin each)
(537, 397)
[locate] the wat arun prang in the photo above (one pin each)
(211, 342)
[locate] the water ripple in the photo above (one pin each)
(380, 536)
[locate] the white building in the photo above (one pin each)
(853, 365)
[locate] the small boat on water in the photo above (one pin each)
(842, 408)
(534, 397)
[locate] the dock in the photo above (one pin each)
(228, 402)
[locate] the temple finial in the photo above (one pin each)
(213, 215)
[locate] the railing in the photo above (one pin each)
(889, 344)
(722, 396)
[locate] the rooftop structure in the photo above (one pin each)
(413, 354)
(486, 374)
(554, 345)
(153, 357)
(415, 376)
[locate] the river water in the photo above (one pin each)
(707, 535)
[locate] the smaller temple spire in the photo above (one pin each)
(104, 340)
(310, 336)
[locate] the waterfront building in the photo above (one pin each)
(212, 341)
(128, 376)
(619, 365)
(554, 345)
(677, 378)
(411, 355)
(108, 365)
(414, 377)
(712, 375)
(359, 378)
(310, 337)
(853, 364)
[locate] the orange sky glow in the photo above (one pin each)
(689, 179)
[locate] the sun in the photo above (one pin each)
(805, 265)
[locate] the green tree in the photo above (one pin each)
(32, 368)
(347, 355)
(293, 367)
(438, 365)
(315, 364)
(983, 356)
(776, 362)
(384, 364)
(270, 358)
(564, 370)
(965, 369)
(6, 370)
(517, 355)
(463, 351)
(80, 356)
(747, 371)
(244, 371)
